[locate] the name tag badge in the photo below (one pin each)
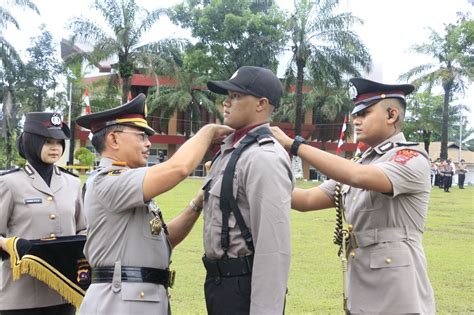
(33, 200)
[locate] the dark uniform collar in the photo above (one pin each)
(229, 141)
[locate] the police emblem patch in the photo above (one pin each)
(56, 120)
(403, 156)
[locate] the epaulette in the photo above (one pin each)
(264, 139)
(13, 170)
(119, 163)
(407, 144)
(386, 147)
(67, 171)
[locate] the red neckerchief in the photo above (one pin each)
(240, 133)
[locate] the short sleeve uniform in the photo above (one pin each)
(119, 234)
(387, 265)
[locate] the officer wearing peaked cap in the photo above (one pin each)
(247, 205)
(128, 243)
(385, 198)
(39, 200)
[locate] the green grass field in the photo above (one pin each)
(315, 277)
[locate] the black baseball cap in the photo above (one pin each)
(132, 113)
(365, 93)
(49, 125)
(256, 81)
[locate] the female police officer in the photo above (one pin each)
(39, 200)
(385, 195)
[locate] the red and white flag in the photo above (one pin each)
(129, 96)
(86, 102)
(341, 138)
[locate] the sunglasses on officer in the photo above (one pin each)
(143, 135)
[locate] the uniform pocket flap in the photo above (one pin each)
(389, 259)
(140, 292)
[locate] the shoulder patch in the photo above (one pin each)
(264, 139)
(67, 171)
(403, 156)
(116, 172)
(10, 171)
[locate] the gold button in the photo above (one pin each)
(52, 216)
(354, 198)
(50, 198)
(353, 253)
(388, 261)
(142, 294)
(349, 227)
(52, 235)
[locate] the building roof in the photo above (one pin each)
(453, 152)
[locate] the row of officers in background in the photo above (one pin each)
(245, 199)
(442, 172)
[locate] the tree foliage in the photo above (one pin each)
(232, 33)
(41, 75)
(187, 95)
(452, 67)
(127, 23)
(323, 39)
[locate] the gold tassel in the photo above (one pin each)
(41, 270)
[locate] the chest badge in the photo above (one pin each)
(156, 223)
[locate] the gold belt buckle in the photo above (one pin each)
(171, 277)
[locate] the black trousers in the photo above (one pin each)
(63, 309)
(448, 180)
(229, 295)
(461, 178)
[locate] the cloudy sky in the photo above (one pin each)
(390, 28)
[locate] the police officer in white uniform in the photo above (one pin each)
(247, 203)
(128, 243)
(39, 200)
(385, 195)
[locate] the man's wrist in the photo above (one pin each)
(196, 207)
(296, 144)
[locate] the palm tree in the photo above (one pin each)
(453, 69)
(188, 95)
(11, 67)
(322, 38)
(127, 24)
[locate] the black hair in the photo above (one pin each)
(98, 139)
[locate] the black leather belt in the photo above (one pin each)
(228, 267)
(164, 277)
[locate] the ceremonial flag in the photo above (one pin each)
(87, 102)
(59, 262)
(341, 138)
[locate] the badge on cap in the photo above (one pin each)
(56, 120)
(352, 91)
